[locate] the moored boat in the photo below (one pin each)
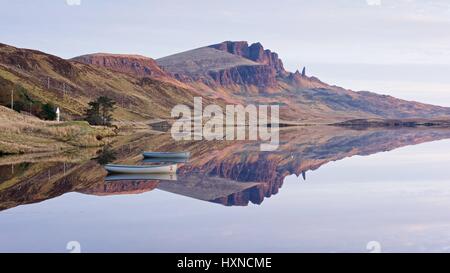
(129, 169)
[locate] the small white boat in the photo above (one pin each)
(126, 169)
(166, 154)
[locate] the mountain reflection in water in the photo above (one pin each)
(229, 173)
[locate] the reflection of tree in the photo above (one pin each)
(106, 155)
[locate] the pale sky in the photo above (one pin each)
(398, 47)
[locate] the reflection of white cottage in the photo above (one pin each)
(58, 114)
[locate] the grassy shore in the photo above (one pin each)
(25, 134)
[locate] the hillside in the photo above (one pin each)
(228, 72)
(39, 78)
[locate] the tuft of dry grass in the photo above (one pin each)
(25, 134)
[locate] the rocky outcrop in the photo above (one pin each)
(301, 81)
(254, 52)
(261, 76)
(131, 64)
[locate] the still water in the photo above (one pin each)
(325, 190)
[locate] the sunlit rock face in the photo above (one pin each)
(254, 52)
(131, 64)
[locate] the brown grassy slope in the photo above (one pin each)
(137, 98)
(25, 134)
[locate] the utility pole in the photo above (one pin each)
(48, 82)
(64, 89)
(12, 99)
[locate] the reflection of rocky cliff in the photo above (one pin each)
(121, 187)
(229, 173)
(301, 150)
(210, 188)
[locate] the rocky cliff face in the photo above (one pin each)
(254, 52)
(131, 64)
(230, 64)
(261, 76)
(227, 64)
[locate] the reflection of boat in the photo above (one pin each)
(141, 177)
(165, 160)
(127, 169)
(166, 155)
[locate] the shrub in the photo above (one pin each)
(47, 112)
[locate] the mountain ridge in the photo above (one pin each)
(224, 73)
(127, 63)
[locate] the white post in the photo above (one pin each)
(58, 112)
(12, 99)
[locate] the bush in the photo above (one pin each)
(47, 112)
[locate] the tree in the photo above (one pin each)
(48, 112)
(106, 109)
(100, 111)
(93, 113)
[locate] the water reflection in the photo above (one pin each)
(141, 177)
(106, 155)
(228, 173)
